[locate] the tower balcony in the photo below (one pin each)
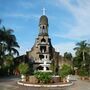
(43, 43)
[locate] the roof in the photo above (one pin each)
(43, 20)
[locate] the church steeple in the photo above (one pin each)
(43, 24)
(42, 52)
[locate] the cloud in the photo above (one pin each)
(24, 47)
(65, 47)
(77, 31)
(20, 15)
(81, 13)
(26, 5)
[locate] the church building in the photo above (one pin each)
(42, 47)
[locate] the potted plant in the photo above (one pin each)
(23, 69)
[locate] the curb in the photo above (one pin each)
(37, 85)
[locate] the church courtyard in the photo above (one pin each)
(10, 84)
(45, 45)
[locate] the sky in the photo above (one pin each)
(69, 22)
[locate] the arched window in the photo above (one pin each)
(43, 27)
(43, 40)
(43, 49)
(41, 57)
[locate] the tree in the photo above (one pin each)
(8, 63)
(8, 47)
(8, 39)
(65, 70)
(68, 55)
(23, 68)
(82, 58)
(82, 49)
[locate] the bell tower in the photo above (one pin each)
(43, 38)
(43, 24)
(42, 47)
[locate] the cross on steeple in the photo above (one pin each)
(44, 11)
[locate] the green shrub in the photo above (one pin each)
(83, 72)
(43, 77)
(66, 70)
(23, 68)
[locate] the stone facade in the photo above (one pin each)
(42, 47)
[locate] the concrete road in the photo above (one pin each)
(10, 84)
(80, 85)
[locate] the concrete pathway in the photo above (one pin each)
(80, 85)
(10, 84)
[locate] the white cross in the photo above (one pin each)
(44, 11)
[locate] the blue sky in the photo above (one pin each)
(69, 21)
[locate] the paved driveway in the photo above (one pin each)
(10, 84)
(80, 85)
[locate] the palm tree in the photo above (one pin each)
(8, 43)
(8, 47)
(9, 40)
(2, 43)
(12, 45)
(81, 49)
